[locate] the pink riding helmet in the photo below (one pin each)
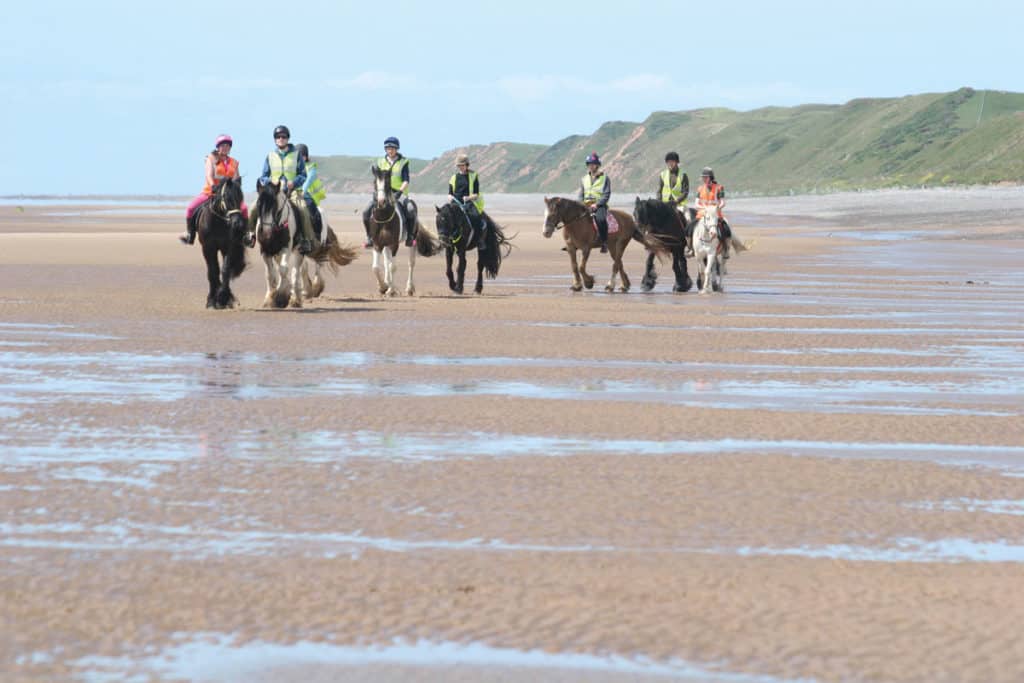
(222, 139)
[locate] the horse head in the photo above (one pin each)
(228, 202)
(709, 223)
(381, 186)
(271, 205)
(640, 213)
(552, 215)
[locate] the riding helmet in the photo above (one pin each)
(221, 139)
(593, 159)
(302, 150)
(462, 159)
(392, 142)
(706, 172)
(282, 130)
(672, 156)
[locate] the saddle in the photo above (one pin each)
(613, 223)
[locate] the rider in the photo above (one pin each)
(283, 166)
(464, 188)
(313, 190)
(219, 167)
(711, 192)
(399, 166)
(673, 184)
(595, 191)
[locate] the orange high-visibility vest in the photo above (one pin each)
(222, 170)
(709, 194)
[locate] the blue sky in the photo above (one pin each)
(127, 97)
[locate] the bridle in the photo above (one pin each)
(393, 205)
(562, 222)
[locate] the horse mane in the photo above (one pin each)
(657, 210)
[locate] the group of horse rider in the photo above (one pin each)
(289, 167)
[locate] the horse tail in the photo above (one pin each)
(336, 254)
(658, 247)
(427, 244)
(491, 257)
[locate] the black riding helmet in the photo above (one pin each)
(282, 130)
(672, 156)
(303, 151)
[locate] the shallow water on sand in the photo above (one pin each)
(844, 421)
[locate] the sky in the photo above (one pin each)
(110, 97)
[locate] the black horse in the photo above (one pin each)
(662, 220)
(458, 235)
(222, 229)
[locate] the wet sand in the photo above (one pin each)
(817, 475)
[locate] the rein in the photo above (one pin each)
(562, 222)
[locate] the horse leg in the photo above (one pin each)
(577, 281)
(212, 274)
(650, 275)
(295, 268)
(626, 284)
(389, 271)
(410, 287)
(273, 272)
(448, 253)
(709, 267)
(588, 279)
(719, 270)
(224, 296)
(479, 289)
(683, 282)
(461, 277)
(307, 283)
(318, 281)
(378, 269)
(610, 287)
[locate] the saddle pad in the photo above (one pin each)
(613, 224)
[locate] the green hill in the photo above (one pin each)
(962, 137)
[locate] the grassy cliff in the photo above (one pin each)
(962, 137)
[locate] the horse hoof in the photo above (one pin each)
(647, 287)
(478, 290)
(609, 289)
(576, 288)
(589, 285)
(209, 302)
(411, 291)
(295, 303)
(623, 288)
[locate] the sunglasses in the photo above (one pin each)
(280, 137)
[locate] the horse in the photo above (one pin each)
(707, 248)
(458, 235)
(581, 233)
(331, 254)
(670, 226)
(385, 226)
(278, 225)
(221, 229)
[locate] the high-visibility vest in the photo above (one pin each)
(709, 194)
(395, 167)
(286, 166)
(316, 188)
(670, 192)
(222, 170)
(479, 201)
(593, 188)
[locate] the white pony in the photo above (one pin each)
(276, 229)
(707, 248)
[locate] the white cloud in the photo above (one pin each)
(372, 80)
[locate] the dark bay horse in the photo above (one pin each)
(221, 230)
(458, 235)
(580, 233)
(672, 228)
(385, 225)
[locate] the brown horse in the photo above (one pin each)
(580, 233)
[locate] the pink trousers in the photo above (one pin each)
(202, 197)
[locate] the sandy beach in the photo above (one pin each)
(817, 475)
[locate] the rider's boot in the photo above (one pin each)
(410, 232)
(189, 236)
